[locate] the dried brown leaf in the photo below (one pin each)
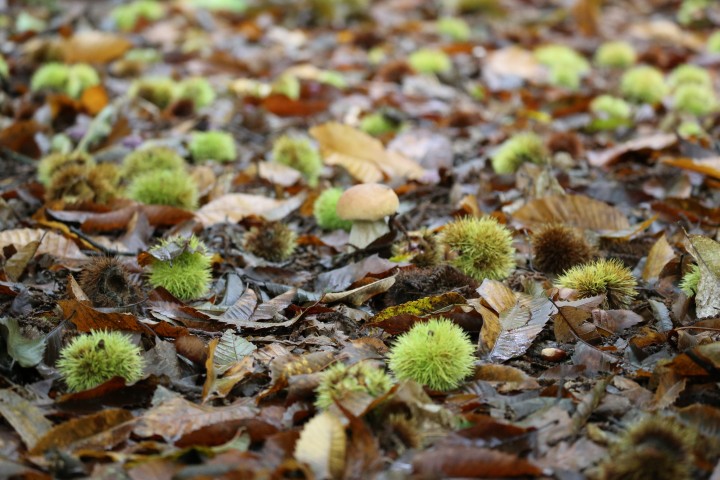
(572, 210)
(80, 429)
(233, 207)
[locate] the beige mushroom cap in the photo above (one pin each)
(368, 202)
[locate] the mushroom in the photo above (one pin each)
(367, 205)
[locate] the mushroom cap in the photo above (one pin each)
(367, 201)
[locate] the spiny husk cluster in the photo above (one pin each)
(482, 248)
(273, 241)
(557, 247)
(187, 275)
(341, 381)
(609, 277)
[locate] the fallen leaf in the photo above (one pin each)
(92, 46)
(51, 243)
(360, 295)
(322, 445)
(25, 418)
(233, 207)
(471, 462)
(607, 157)
(572, 210)
(707, 254)
(362, 155)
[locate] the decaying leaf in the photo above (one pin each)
(611, 155)
(660, 254)
(233, 207)
(360, 295)
(25, 418)
(51, 243)
(572, 210)
(707, 254)
(27, 352)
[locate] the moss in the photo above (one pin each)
(436, 353)
(608, 277)
(520, 148)
(151, 159)
(214, 145)
(454, 28)
(324, 211)
(421, 307)
(428, 60)
(695, 99)
(643, 84)
(164, 187)
(616, 54)
(481, 247)
(90, 360)
(341, 382)
(300, 154)
(186, 275)
(196, 89)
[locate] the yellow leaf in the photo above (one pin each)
(322, 445)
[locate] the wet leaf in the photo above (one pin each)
(25, 351)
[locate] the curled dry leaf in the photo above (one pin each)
(658, 141)
(322, 445)
(92, 46)
(706, 166)
(660, 255)
(358, 296)
(707, 254)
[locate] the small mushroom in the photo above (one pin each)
(367, 205)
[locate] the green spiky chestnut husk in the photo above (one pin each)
(298, 153)
(51, 76)
(160, 91)
(151, 159)
(273, 241)
(378, 124)
(518, 149)
(427, 60)
(609, 277)
(643, 84)
(214, 145)
(690, 281)
(481, 247)
(90, 360)
(454, 28)
(164, 187)
(81, 76)
(695, 99)
(713, 43)
(53, 163)
(187, 276)
(127, 16)
(437, 353)
(324, 211)
(610, 107)
(341, 381)
(617, 54)
(689, 74)
(556, 56)
(198, 90)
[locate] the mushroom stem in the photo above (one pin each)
(364, 232)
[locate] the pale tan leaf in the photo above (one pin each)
(607, 157)
(574, 319)
(274, 306)
(660, 254)
(16, 265)
(665, 31)
(322, 445)
(53, 243)
(75, 292)
(92, 46)
(572, 210)
(513, 61)
(233, 207)
(362, 155)
(25, 418)
(360, 295)
(706, 166)
(497, 295)
(276, 173)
